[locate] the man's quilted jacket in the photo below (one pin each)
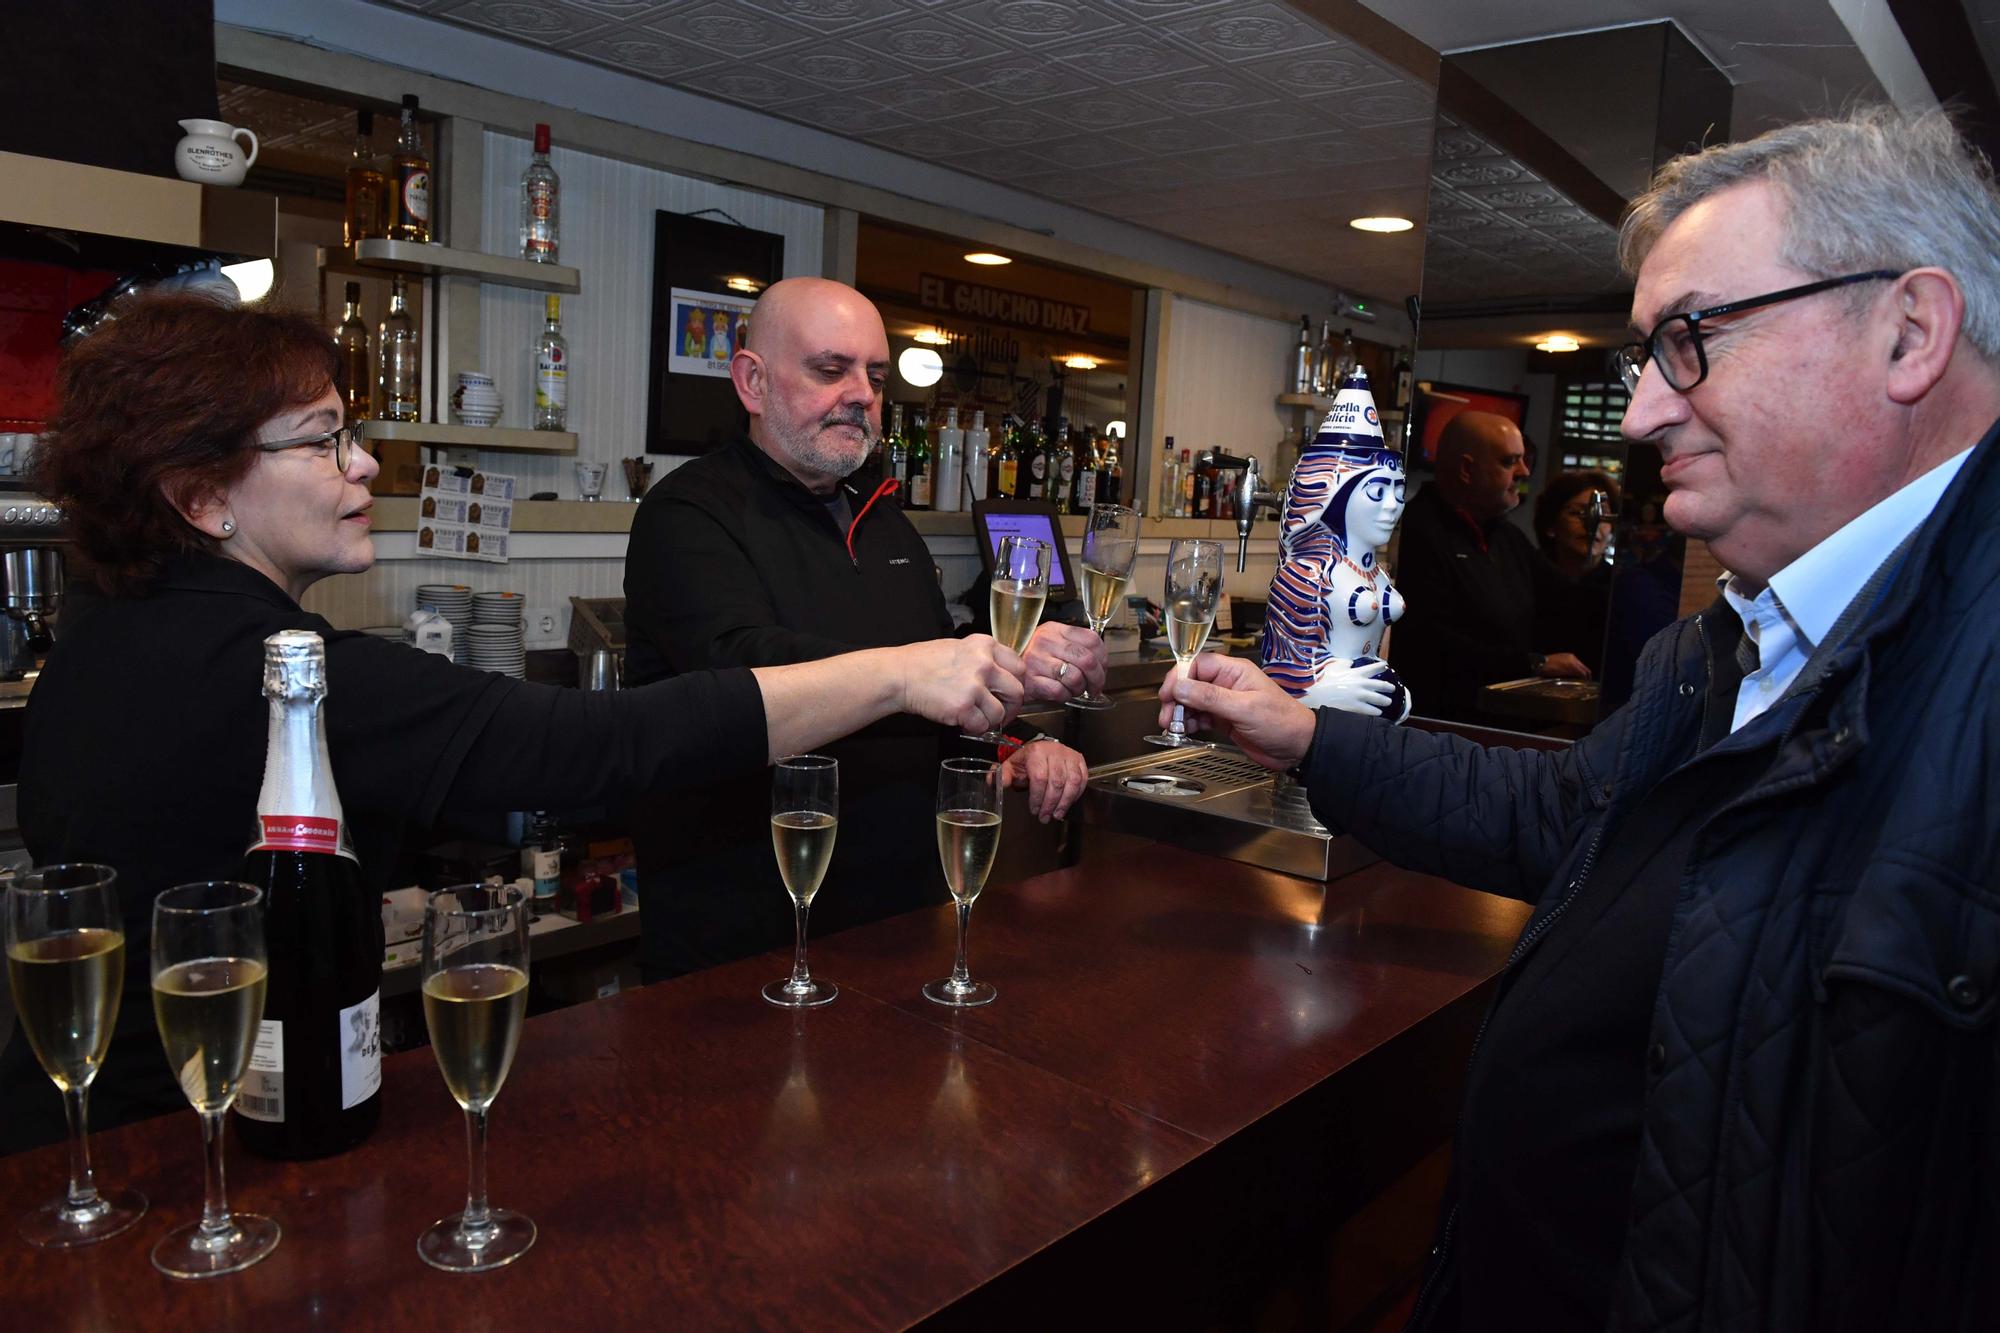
(1821, 1134)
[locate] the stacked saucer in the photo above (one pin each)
(453, 601)
(495, 641)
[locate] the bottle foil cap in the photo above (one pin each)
(294, 665)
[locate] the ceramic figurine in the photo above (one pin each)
(1331, 602)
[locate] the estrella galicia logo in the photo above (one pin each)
(1369, 413)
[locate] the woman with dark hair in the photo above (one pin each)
(1573, 523)
(199, 453)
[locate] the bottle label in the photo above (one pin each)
(417, 195)
(1009, 475)
(544, 868)
(361, 1051)
(1086, 490)
(551, 382)
(1039, 467)
(262, 1095)
(920, 490)
(1068, 468)
(299, 833)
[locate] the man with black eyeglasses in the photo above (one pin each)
(1742, 1069)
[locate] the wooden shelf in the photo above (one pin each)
(416, 257)
(1312, 400)
(502, 438)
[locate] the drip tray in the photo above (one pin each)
(1220, 802)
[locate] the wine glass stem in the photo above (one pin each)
(476, 1226)
(801, 978)
(215, 1193)
(82, 1200)
(1178, 727)
(961, 979)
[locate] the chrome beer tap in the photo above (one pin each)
(1249, 495)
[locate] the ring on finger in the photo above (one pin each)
(1062, 671)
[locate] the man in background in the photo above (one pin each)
(1473, 580)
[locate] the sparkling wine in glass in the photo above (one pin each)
(1194, 590)
(66, 963)
(475, 986)
(968, 834)
(1014, 602)
(209, 966)
(805, 816)
(1110, 547)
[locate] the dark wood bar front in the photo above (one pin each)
(1192, 1070)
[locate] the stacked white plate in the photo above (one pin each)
(497, 648)
(453, 601)
(497, 608)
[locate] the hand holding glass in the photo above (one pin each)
(1014, 602)
(209, 968)
(475, 980)
(968, 834)
(1194, 589)
(805, 816)
(1110, 547)
(66, 962)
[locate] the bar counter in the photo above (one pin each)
(1193, 1069)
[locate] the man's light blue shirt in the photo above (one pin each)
(1798, 608)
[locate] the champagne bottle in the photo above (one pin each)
(315, 1081)
(411, 214)
(541, 204)
(367, 188)
(354, 372)
(1089, 461)
(1302, 358)
(399, 358)
(1034, 465)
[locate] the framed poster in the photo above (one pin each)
(706, 276)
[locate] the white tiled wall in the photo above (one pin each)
(1225, 370)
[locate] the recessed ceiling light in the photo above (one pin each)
(932, 337)
(1080, 363)
(921, 367)
(742, 284)
(986, 257)
(1558, 342)
(1383, 224)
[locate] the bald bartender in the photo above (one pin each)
(1472, 579)
(763, 552)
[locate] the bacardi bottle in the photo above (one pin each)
(552, 371)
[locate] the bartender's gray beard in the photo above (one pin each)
(827, 452)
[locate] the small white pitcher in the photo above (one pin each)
(210, 154)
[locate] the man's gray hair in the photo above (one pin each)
(1873, 189)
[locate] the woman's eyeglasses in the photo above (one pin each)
(343, 439)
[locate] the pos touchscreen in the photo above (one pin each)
(994, 519)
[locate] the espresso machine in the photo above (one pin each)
(32, 537)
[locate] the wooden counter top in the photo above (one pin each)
(1184, 1055)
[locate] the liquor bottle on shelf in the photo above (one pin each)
(1114, 482)
(314, 1086)
(1323, 357)
(1204, 493)
(552, 371)
(1007, 472)
(541, 204)
(541, 861)
(398, 357)
(1089, 462)
(1345, 359)
(410, 217)
(980, 460)
(922, 477)
(354, 370)
(896, 454)
(367, 188)
(1034, 464)
(948, 496)
(1302, 358)
(1187, 485)
(1169, 502)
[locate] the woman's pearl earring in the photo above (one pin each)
(227, 527)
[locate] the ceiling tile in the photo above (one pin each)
(1088, 151)
(1320, 73)
(836, 67)
(1209, 89)
(922, 99)
(1177, 137)
(925, 141)
(830, 16)
(731, 29)
(1012, 127)
(930, 44)
(650, 57)
(1012, 80)
(1103, 109)
(842, 115)
(1248, 31)
(542, 22)
(1127, 57)
(1033, 24)
(1266, 124)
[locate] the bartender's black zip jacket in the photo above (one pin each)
(733, 563)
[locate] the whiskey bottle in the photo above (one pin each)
(399, 360)
(366, 186)
(411, 214)
(354, 371)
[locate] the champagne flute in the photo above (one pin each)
(475, 982)
(968, 834)
(66, 963)
(805, 816)
(209, 967)
(1110, 547)
(1014, 601)
(1194, 589)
